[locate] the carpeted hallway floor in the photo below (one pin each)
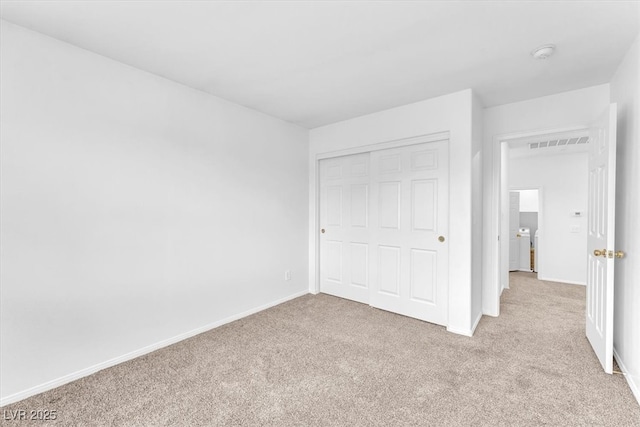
(320, 360)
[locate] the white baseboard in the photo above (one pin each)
(137, 353)
(464, 332)
(569, 282)
(633, 385)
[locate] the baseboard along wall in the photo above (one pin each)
(16, 397)
(633, 385)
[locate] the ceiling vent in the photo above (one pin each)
(550, 143)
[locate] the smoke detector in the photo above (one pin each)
(543, 52)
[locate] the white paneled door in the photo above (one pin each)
(600, 237)
(409, 222)
(345, 233)
(384, 225)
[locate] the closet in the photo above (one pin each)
(384, 218)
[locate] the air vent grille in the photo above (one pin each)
(559, 142)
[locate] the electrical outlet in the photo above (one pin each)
(287, 275)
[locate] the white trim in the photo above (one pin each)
(464, 332)
(635, 388)
(475, 324)
(137, 353)
(568, 282)
(397, 143)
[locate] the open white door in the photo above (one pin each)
(601, 234)
(514, 226)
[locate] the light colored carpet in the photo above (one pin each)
(320, 360)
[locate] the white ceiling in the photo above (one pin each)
(314, 63)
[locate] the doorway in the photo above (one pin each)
(524, 217)
(599, 208)
(556, 167)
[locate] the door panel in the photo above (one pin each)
(600, 237)
(389, 270)
(409, 195)
(334, 261)
(389, 205)
(359, 264)
(334, 206)
(424, 274)
(359, 205)
(424, 204)
(344, 215)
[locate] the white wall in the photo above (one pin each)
(625, 91)
(450, 113)
(134, 210)
(476, 208)
(528, 200)
(563, 181)
(565, 110)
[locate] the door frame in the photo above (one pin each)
(499, 182)
(506, 285)
(314, 241)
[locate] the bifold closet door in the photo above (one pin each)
(409, 231)
(345, 231)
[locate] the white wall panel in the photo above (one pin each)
(625, 91)
(132, 207)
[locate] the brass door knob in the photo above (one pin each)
(600, 252)
(441, 239)
(518, 235)
(322, 230)
(619, 254)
